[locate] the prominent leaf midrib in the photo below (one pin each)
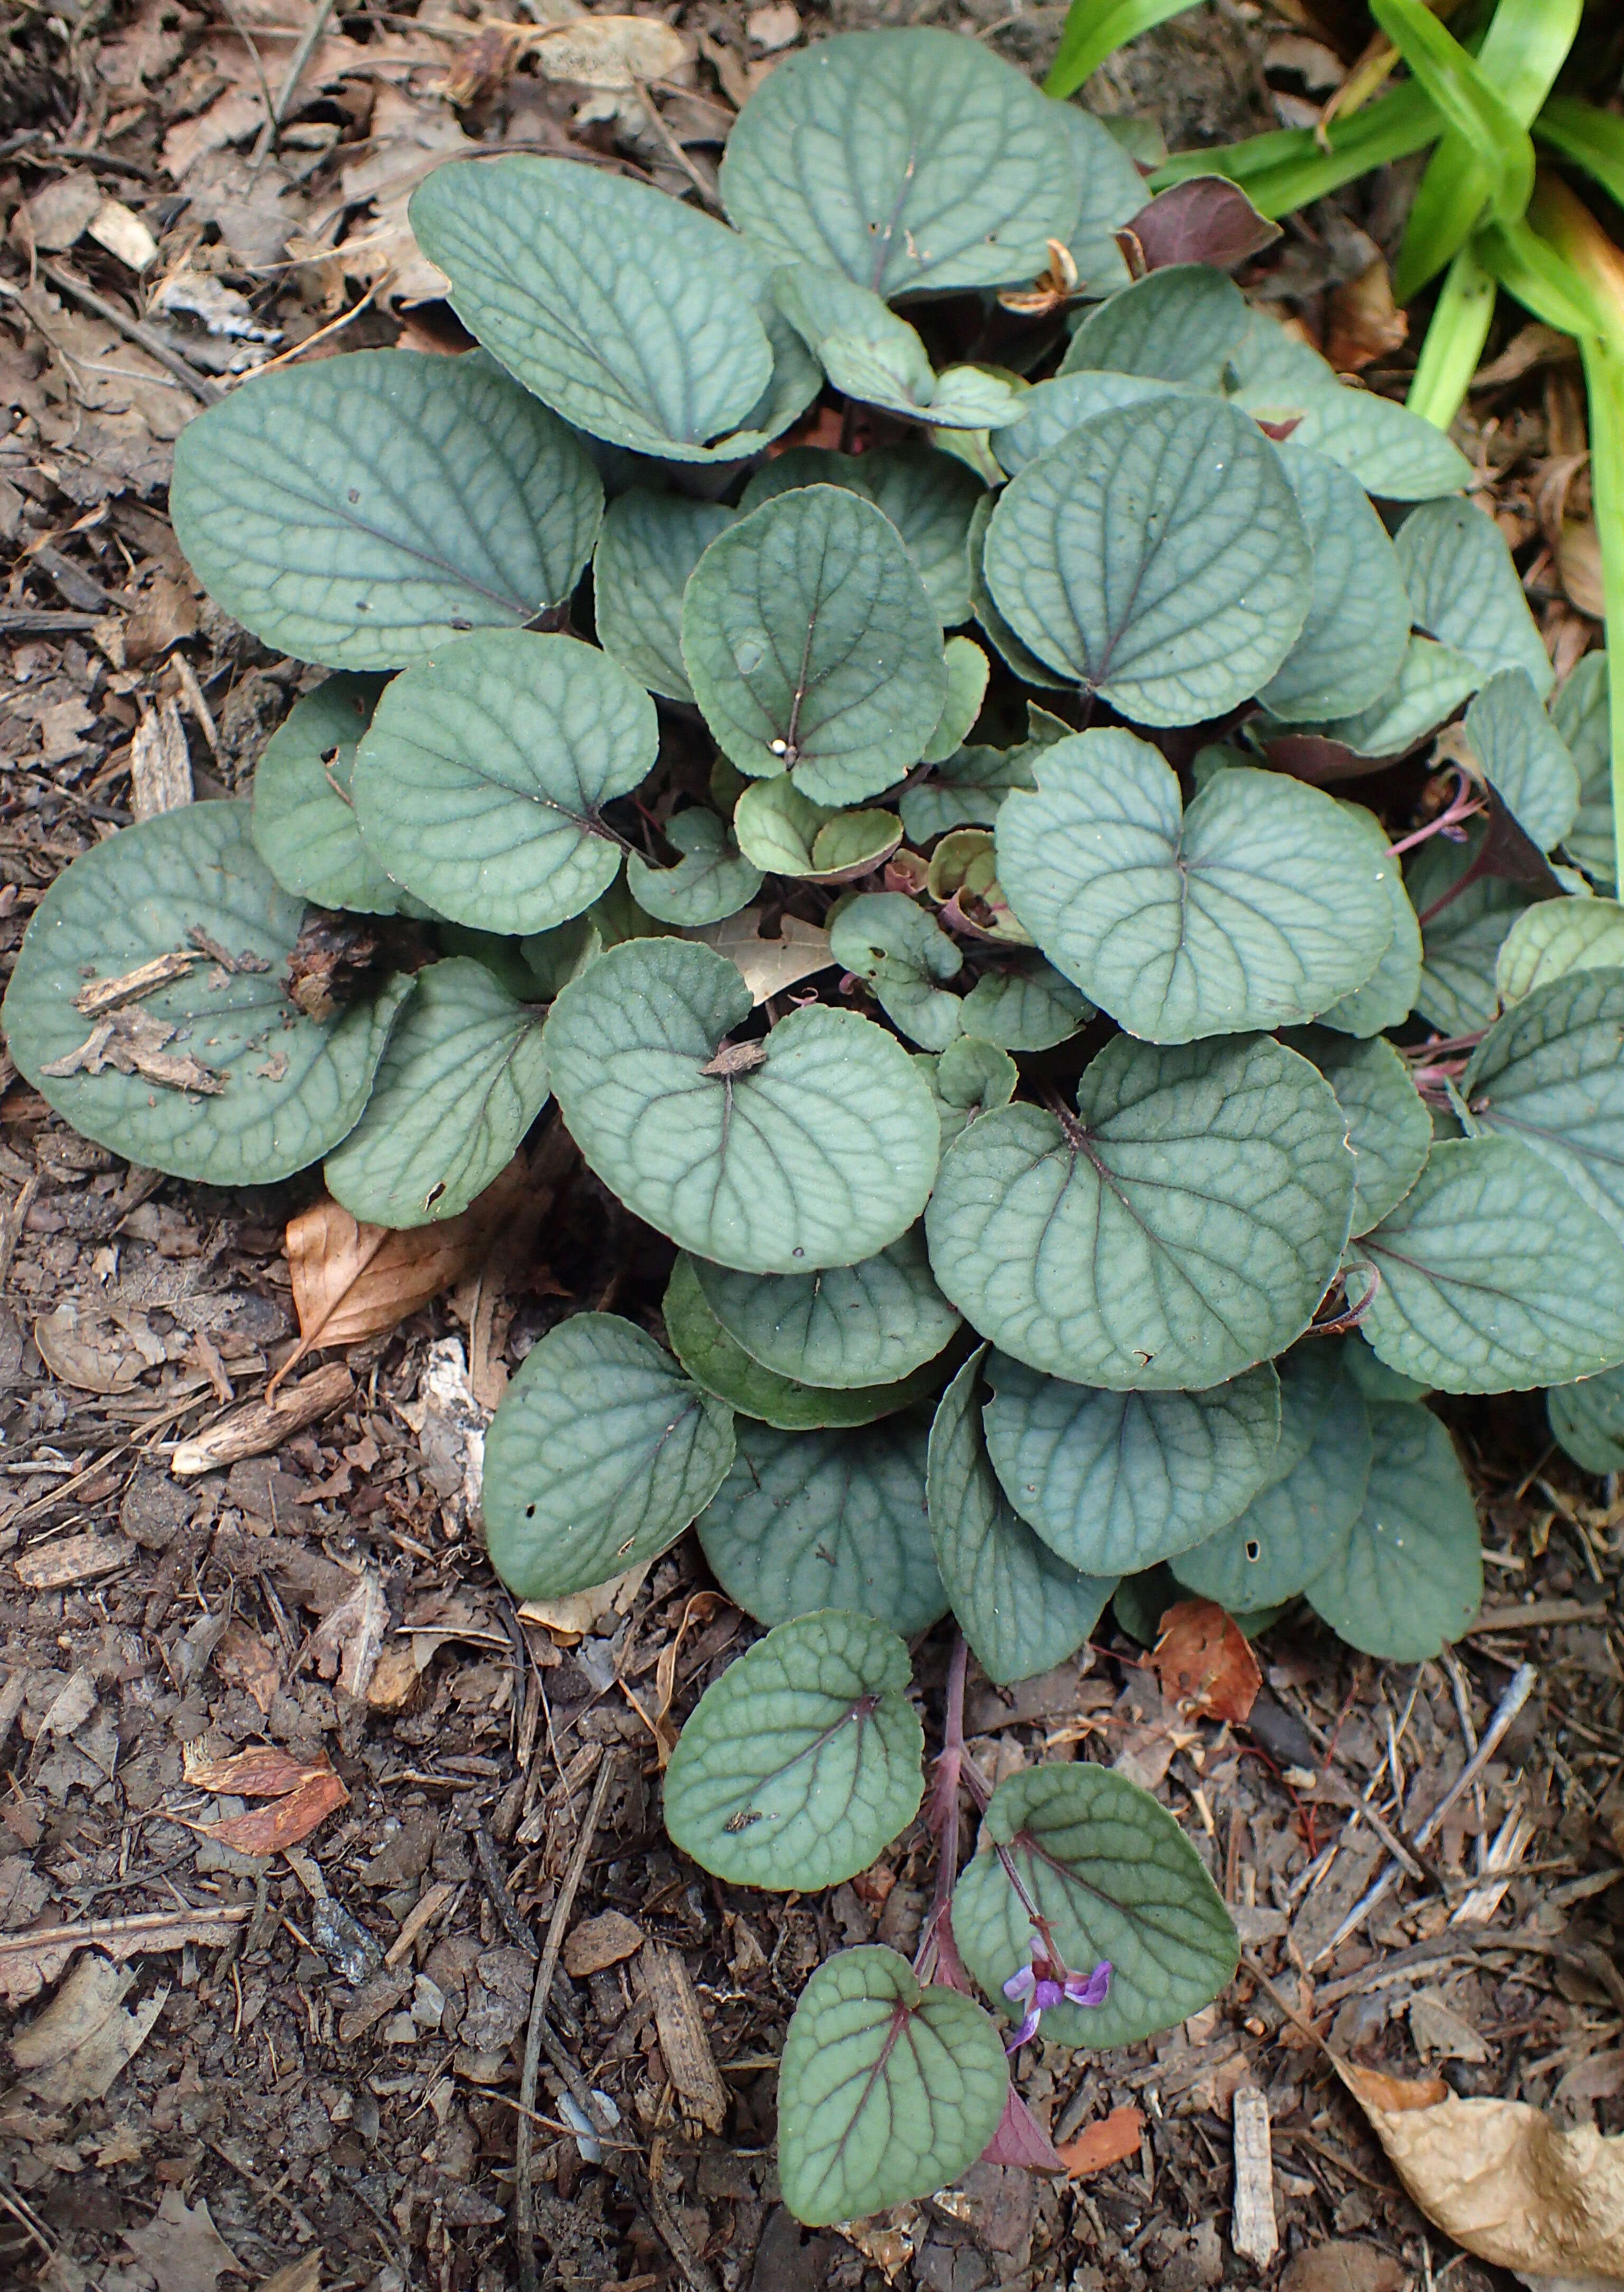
(1586, 1151)
(1144, 1919)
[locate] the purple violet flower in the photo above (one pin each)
(1043, 1985)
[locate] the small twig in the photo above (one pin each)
(536, 2035)
(301, 56)
(708, 191)
(516, 1925)
(333, 327)
(246, 37)
(145, 337)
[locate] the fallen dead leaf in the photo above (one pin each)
(1203, 1662)
(1109, 2141)
(245, 1661)
(90, 1353)
(302, 1796)
(352, 1281)
(767, 965)
(53, 1566)
(1503, 2179)
(182, 2247)
(56, 218)
(578, 1611)
(298, 2276)
(73, 2051)
(609, 51)
(349, 1640)
(601, 1942)
(1364, 322)
(1344, 2268)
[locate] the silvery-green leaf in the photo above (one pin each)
(1116, 1879)
(963, 868)
(553, 957)
(1259, 906)
(305, 826)
(1465, 590)
(1024, 1003)
(784, 832)
(1354, 641)
(1115, 1482)
(1021, 1608)
(1269, 359)
(1374, 1379)
(710, 881)
(970, 1078)
(886, 2091)
(649, 545)
(1394, 454)
(1555, 937)
(803, 1759)
(1408, 1576)
(967, 672)
(1139, 1603)
(361, 510)
(965, 790)
(600, 1455)
(1589, 1421)
(1112, 194)
(1053, 409)
(550, 266)
(1389, 1127)
(870, 354)
(1551, 1072)
(461, 1080)
(1495, 1275)
(893, 943)
(1294, 1524)
(1461, 943)
(235, 1085)
(1181, 324)
(481, 783)
(852, 1325)
(819, 1520)
(906, 159)
(1388, 996)
(819, 1154)
(1157, 557)
(1524, 757)
(1432, 682)
(811, 646)
(1016, 656)
(929, 497)
(1183, 1229)
(716, 1360)
(1580, 714)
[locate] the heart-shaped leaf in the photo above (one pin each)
(1022, 1003)
(836, 1519)
(1408, 1577)
(1551, 1073)
(1394, 454)
(1461, 938)
(1388, 1126)
(886, 2091)
(1053, 409)
(1465, 590)
(1021, 1608)
(305, 826)
(291, 501)
(1116, 1879)
(970, 1078)
(1388, 996)
(1112, 194)
(461, 1082)
(1580, 713)
(1181, 324)
(1183, 1229)
(1157, 557)
(1115, 1482)
(812, 648)
(784, 832)
(1588, 1420)
(929, 497)
(906, 159)
(550, 266)
(853, 1325)
(965, 790)
(1258, 906)
(815, 1147)
(1017, 656)
(1524, 757)
(709, 882)
(803, 1759)
(649, 545)
(967, 673)
(150, 1006)
(870, 354)
(1557, 937)
(1432, 682)
(892, 942)
(1299, 1520)
(1495, 1274)
(1354, 641)
(481, 782)
(716, 1360)
(600, 1454)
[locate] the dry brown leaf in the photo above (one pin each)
(768, 965)
(263, 1770)
(577, 1612)
(409, 137)
(245, 1661)
(57, 217)
(91, 1354)
(1344, 2268)
(182, 2247)
(1203, 1662)
(298, 2276)
(352, 1281)
(1503, 2179)
(75, 2049)
(1109, 2141)
(303, 1794)
(1364, 324)
(610, 52)
(349, 1640)
(1578, 562)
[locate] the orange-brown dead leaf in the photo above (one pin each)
(1503, 2179)
(352, 1281)
(263, 1770)
(1364, 323)
(1109, 2141)
(303, 1794)
(1203, 1662)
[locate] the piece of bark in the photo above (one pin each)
(264, 1424)
(1252, 2231)
(601, 1942)
(690, 2062)
(72, 1560)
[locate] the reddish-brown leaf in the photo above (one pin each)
(1207, 219)
(1203, 1662)
(263, 1770)
(1109, 2141)
(1021, 2140)
(284, 1822)
(1364, 323)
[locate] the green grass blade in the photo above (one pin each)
(1288, 167)
(1593, 140)
(1604, 381)
(1539, 277)
(1470, 105)
(1095, 29)
(1454, 341)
